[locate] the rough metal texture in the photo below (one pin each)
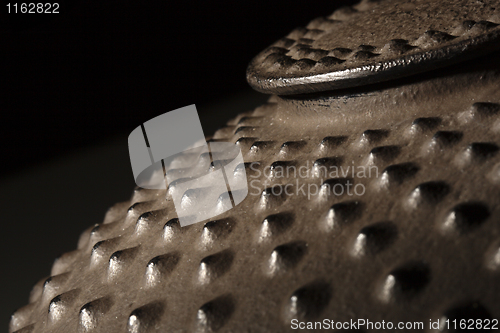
(422, 242)
(376, 41)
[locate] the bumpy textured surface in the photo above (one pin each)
(423, 241)
(419, 240)
(376, 41)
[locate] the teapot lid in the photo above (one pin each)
(376, 41)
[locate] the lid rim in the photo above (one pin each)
(278, 73)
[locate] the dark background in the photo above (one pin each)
(75, 84)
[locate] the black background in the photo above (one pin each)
(75, 84)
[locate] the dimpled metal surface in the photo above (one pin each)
(421, 242)
(376, 41)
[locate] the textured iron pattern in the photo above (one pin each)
(375, 41)
(422, 242)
